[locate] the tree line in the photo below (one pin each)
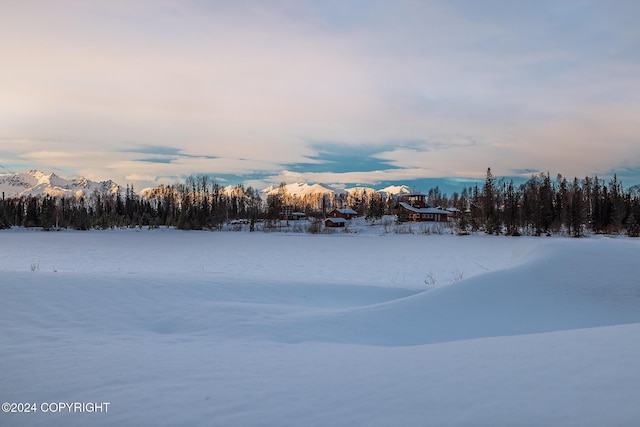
(198, 203)
(541, 205)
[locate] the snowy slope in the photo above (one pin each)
(561, 286)
(359, 191)
(37, 183)
(398, 190)
(263, 329)
(302, 189)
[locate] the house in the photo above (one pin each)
(346, 213)
(454, 212)
(289, 214)
(335, 222)
(415, 199)
(407, 212)
(413, 207)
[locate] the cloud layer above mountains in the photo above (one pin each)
(335, 91)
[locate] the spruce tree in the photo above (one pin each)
(511, 210)
(633, 227)
(376, 208)
(577, 210)
(489, 208)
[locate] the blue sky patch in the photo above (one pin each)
(336, 158)
(165, 160)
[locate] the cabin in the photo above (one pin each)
(289, 214)
(410, 213)
(346, 213)
(454, 213)
(415, 208)
(335, 222)
(417, 200)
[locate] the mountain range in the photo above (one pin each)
(304, 189)
(39, 183)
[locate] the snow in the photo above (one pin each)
(367, 328)
(303, 189)
(398, 190)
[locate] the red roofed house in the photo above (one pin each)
(415, 209)
(346, 213)
(335, 222)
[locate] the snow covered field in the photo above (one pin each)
(286, 329)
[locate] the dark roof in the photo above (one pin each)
(337, 220)
(423, 210)
(346, 211)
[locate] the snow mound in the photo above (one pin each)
(546, 287)
(559, 286)
(272, 329)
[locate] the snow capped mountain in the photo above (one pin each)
(38, 183)
(303, 189)
(359, 191)
(156, 192)
(398, 190)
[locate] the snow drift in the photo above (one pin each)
(272, 329)
(560, 286)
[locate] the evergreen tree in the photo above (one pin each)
(376, 208)
(616, 203)
(633, 227)
(31, 217)
(511, 210)
(476, 209)
(562, 201)
(489, 205)
(4, 213)
(545, 205)
(577, 210)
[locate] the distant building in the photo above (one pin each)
(290, 215)
(415, 208)
(335, 222)
(346, 213)
(454, 212)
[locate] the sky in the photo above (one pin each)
(343, 92)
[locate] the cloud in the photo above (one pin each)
(347, 178)
(164, 89)
(525, 172)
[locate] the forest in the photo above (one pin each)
(541, 205)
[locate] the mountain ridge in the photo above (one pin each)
(38, 183)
